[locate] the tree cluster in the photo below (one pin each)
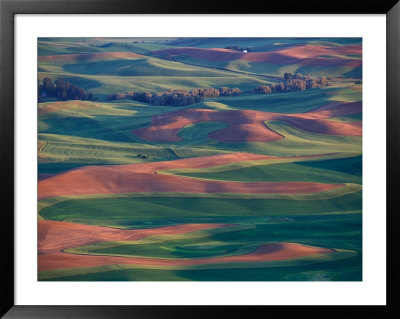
(205, 92)
(263, 89)
(225, 91)
(63, 90)
(292, 82)
(175, 97)
(170, 98)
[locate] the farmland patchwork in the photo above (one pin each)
(200, 159)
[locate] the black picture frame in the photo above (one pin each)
(8, 8)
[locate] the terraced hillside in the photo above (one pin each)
(229, 187)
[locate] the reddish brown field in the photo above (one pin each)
(332, 62)
(244, 125)
(310, 51)
(337, 109)
(301, 55)
(322, 126)
(164, 127)
(248, 126)
(254, 132)
(143, 178)
(54, 237)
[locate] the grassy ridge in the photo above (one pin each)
(68, 150)
(260, 44)
(283, 173)
(290, 102)
(333, 230)
(140, 67)
(74, 134)
(270, 69)
(144, 74)
(278, 70)
(127, 211)
(334, 193)
(85, 132)
(112, 83)
(74, 46)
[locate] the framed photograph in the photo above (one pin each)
(163, 159)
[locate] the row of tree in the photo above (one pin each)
(175, 97)
(63, 90)
(292, 82)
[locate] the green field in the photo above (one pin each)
(322, 171)
(73, 135)
(129, 211)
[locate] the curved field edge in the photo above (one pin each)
(89, 150)
(93, 250)
(62, 149)
(86, 250)
(284, 170)
(250, 163)
(348, 188)
(131, 212)
(311, 142)
(58, 274)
